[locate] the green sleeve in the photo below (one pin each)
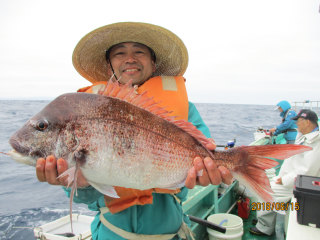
(195, 118)
(86, 195)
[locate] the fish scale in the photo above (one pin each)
(121, 139)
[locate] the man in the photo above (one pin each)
(140, 52)
(307, 163)
(288, 127)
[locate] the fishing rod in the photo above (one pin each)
(4, 153)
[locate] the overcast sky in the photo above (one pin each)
(240, 51)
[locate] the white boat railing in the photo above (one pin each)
(307, 101)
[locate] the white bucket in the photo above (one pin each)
(81, 228)
(234, 227)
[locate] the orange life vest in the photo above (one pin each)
(171, 93)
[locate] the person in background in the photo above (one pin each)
(142, 53)
(307, 163)
(288, 126)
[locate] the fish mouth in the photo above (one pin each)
(18, 147)
(18, 157)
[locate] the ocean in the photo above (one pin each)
(27, 203)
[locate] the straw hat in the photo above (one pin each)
(89, 56)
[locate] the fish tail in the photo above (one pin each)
(255, 160)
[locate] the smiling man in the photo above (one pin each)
(131, 61)
(155, 59)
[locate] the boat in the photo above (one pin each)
(203, 202)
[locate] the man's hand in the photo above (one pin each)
(49, 169)
(272, 130)
(210, 175)
(278, 180)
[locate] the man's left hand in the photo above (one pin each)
(211, 173)
(278, 181)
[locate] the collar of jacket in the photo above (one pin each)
(310, 137)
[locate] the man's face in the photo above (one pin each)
(131, 61)
(302, 125)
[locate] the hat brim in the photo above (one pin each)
(277, 108)
(295, 118)
(89, 55)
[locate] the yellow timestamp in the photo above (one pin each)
(277, 206)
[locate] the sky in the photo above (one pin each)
(240, 52)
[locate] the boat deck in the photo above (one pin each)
(278, 235)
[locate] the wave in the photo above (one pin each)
(21, 224)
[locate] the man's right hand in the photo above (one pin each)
(272, 130)
(49, 169)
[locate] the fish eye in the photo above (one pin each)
(41, 125)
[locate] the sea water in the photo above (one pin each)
(26, 203)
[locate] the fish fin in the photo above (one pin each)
(256, 159)
(278, 151)
(126, 92)
(105, 189)
(107, 89)
(70, 173)
(254, 187)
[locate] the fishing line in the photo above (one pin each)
(244, 132)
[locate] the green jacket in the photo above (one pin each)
(162, 217)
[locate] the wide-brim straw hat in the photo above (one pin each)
(89, 56)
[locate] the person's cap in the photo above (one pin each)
(89, 56)
(277, 108)
(307, 114)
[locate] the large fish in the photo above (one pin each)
(119, 138)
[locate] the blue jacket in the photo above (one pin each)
(287, 123)
(162, 217)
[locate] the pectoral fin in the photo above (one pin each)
(70, 173)
(105, 189)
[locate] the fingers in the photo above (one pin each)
(191, 178)
(210, 174)
(204, 179)
(40, 170)
(226, 175)
(211, 146)
(51, 171)
(62, 166)
(47, 170)
(272, 130)
(213, 172)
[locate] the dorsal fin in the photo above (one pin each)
(127, 93)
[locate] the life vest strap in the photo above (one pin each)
(184, 231)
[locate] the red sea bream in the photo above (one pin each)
(119, 138)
